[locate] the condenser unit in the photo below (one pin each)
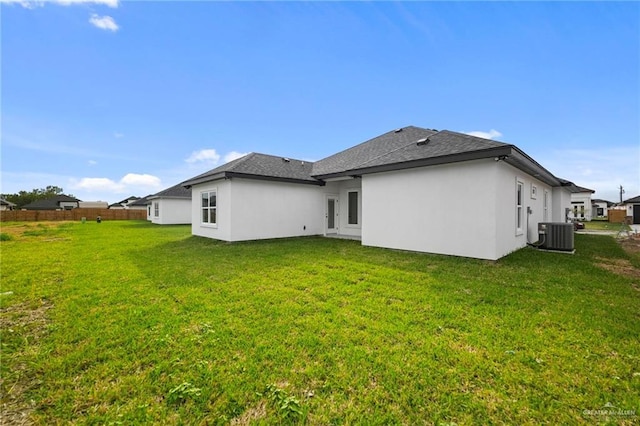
(555, 236)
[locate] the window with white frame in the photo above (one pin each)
(545, 205)
(519, 207)
(156, 209)
(209, 207)
(353, 208)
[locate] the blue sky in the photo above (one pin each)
(109, 98)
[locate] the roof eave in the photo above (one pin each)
(494, 152)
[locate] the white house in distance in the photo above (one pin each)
(412, 188)
(600, 208)
(632, 206)
(581, 205)
(171, 206)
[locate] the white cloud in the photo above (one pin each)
(92, 162)
(131, 182)
(234, 155)
(118, 135)
(104, 22)
(491, 134)
(204, 155)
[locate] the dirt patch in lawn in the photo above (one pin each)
(618, 266)
(631, 245)
(21, 322)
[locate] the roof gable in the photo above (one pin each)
(400, 147)
(260, 166)
(176, 191)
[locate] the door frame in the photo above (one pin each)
(336, 214)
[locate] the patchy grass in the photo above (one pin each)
(599, 225)
(131, 323)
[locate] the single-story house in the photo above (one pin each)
(142, 203)
(171, 206)
(411, 188)
(58, 202)
(600, 208)
(632, 205)
(581, 208)
(93, 205)
(127, 203)
(6, 205)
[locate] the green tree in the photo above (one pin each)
(23, 198)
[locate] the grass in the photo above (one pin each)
(600, 225)
(132, 323)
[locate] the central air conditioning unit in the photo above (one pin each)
(555, 236)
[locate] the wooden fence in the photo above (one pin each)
(74, 214)
(617, 216)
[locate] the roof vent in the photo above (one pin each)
(398, 130)
(422, 141)
(285, 159)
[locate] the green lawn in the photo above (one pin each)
(132, 323)
(600, 225)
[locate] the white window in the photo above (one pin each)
(209, 207)
(353, 208)
(545, 203)
(519, 207)
(156, 209)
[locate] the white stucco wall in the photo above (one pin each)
(268, 209)
(172, 211)
(221, 231)
(581, 200)
(250, 209)
(561, 202)
(508, 237)
(462, 209)
(447, 209)
(341, 189)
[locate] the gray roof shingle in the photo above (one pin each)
(50, 203)
(401, 146)
(176, 191)
(260, 166)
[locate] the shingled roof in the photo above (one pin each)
(52, 203)
(260, 166)
(176, 191)
(401, 146)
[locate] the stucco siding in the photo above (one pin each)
(448, 209)
(221, 230)
(172, 211)
(264, 209)
(509, 237)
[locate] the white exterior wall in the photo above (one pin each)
(561, 202)
(601, 205)
(250, 209)
(446, 209)
(341, 190)
(581, 200)
(267, 209)
(508, 237)
(463, 209)
(221, 231)
(172, 211)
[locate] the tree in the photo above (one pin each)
(22, 198)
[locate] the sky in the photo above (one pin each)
(109, 99)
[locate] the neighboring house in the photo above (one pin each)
(6, 205)
(580, 203)
(142, 203)
(171, 206)
(126, 204)
(412, 189)
(600, 208)
(632, 205)
(58, 202)
(93, 205)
